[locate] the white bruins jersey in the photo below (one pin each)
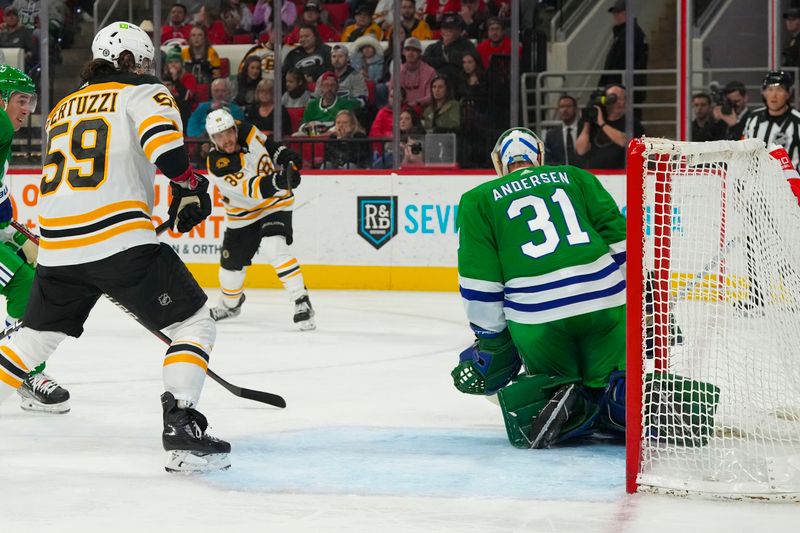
(97, 185)
(238, 177)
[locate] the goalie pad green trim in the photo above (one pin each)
(523, 400)
(679, 410)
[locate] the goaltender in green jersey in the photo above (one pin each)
(541, 265)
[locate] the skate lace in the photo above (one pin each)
(42, 382)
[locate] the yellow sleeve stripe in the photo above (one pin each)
(152, 121)
(86, 241)
(186, 357)
(9, 380)
(157, 141)
(250, 135)
(269, 202)
(93, 215)
(11, 354)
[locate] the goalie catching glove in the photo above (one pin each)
(190, 203)
(488, 365)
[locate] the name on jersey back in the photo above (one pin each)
(529, 182)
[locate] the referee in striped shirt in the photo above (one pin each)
(776, 123)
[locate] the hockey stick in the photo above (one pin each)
(700, 275)
(249, 394)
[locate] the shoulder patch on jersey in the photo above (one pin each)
(220, 164)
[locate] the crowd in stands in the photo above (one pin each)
(336, 81)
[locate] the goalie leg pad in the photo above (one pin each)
(612, 403)
(523, 400)
(679, 410)
(485, 370)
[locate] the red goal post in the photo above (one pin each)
(713, 384)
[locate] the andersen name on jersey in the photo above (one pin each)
(538, 245)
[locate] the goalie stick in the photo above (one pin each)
(249, 394)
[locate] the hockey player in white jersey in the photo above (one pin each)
(104, 143)
(259, 202)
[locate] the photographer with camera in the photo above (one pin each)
(731, 107)
(704, 126)
(603, 140)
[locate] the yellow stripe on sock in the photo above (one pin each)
(10, 380)
(185, 358)
(11, 354)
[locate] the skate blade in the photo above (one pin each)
(306, 325)
(188, 462)
(33, 406)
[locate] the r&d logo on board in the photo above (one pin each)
(377, 219)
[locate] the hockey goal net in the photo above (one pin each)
(713, 328)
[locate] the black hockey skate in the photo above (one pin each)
(304, 313)
(547, 426)
(190, 448)
(41, 393)
(221, 312)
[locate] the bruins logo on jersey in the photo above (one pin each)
(221, 164)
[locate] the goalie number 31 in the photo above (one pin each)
(542, 222)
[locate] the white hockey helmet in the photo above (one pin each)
(517, 145)
(117, 37)
(218, 121)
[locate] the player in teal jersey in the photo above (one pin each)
(541, 271)
(39, 392)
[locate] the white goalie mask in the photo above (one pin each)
(117, 37)
(218, 121)
(517, 145)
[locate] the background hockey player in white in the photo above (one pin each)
(258, 202)
(105, 140)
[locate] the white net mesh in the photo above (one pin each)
(721, 301)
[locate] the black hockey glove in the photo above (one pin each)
(284, 156)
(289, 178)
(189, 207)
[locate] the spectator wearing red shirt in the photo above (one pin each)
(311, 16)
(215, 30)
(177, 27)
(435, 10)
(497, 43)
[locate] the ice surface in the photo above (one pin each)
(374, 438)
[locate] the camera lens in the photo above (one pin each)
(416, 148)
